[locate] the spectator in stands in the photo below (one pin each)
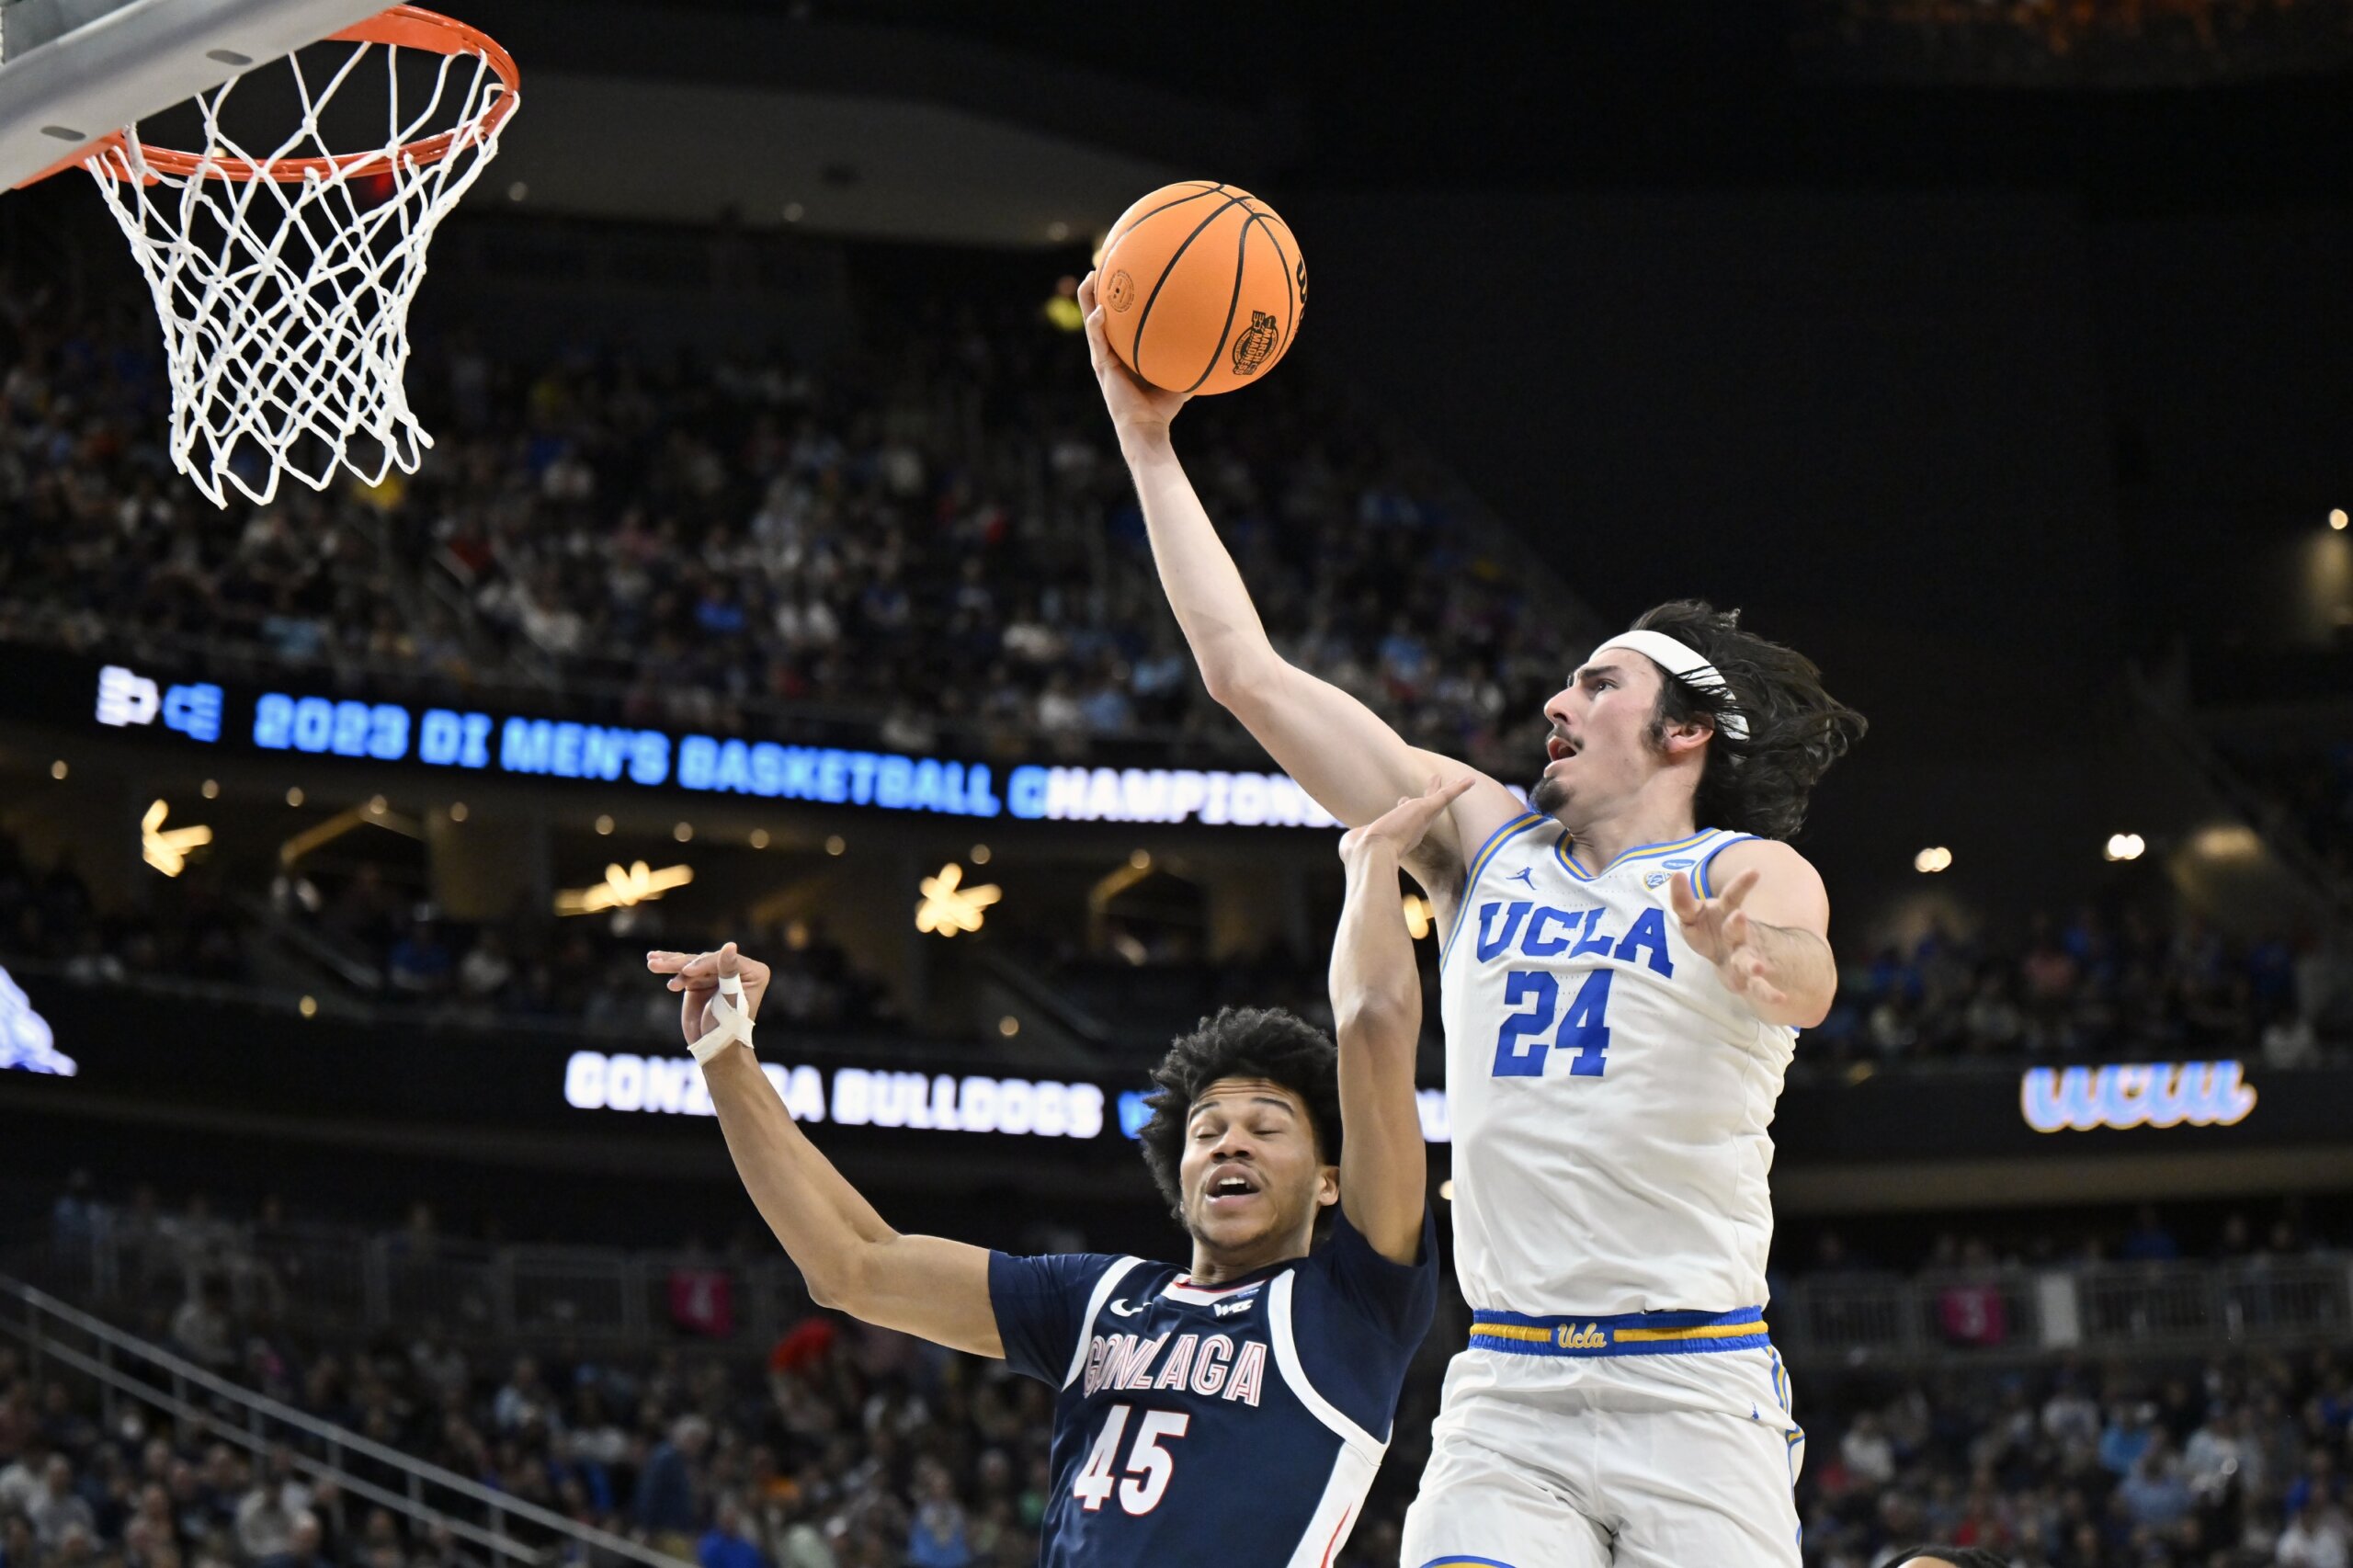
(2317, 1536)
(420, 962)
(728, 1543)
(201, 1328)
(18, 1547)
(303, 1546)
(938, 1539)
(2155, 1494)
(268, 1514)
(667, 1510)
(1867, 1452)
(59, 1507)
(524, 1399)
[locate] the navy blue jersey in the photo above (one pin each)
(1239, 1425)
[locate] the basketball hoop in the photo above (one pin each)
(284, 278)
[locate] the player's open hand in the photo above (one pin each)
(1401, 828)
(1720, 931)
(695, 976)
(1135, 404)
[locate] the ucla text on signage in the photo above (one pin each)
(2163, 1094)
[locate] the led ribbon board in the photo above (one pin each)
(859, 1097)
(522, 745)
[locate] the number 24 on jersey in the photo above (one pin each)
(1520, 1047)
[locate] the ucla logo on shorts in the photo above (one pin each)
(1592, 1336)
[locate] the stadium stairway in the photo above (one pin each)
(128, 1370)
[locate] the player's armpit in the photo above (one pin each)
(926, 1286)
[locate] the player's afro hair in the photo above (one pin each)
(1958, 1556)
(1240, 1042)
(1757, 783)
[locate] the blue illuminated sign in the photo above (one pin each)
(26, 1043)
(126, 697)
(557, 748)
(342, 729)
(2160, 1094)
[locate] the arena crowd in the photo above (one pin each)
(843, 1446)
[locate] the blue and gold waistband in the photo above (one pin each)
(1630, 1334)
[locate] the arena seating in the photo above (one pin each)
(933, 532)
(2085, 987)
(831, 1444)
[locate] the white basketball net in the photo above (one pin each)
(285, 302)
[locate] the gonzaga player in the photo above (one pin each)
(1233, 1412)
(1629, 957)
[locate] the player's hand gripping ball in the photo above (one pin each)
(1201, 288)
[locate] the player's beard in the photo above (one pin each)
(1548, 795)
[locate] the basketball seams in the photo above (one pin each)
(1143, 317)
(1233, 300)
(1291, 287)
(1116, 236)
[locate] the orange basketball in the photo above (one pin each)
(1202, 286)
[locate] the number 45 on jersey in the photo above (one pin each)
(1149, 1469)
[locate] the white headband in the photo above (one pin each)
(1685, 663)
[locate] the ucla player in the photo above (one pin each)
(1629, 956)
(1231, 1412)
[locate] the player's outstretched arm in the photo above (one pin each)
(1339, 750)
(920, 1285)
(1765, 928)
(1377, 1008)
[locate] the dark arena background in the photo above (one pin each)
(774, 572)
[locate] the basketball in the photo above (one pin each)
(1202, 286)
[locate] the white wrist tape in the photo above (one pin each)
(733, 1024)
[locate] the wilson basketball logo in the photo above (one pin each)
(1251, 349)
(1122, 292)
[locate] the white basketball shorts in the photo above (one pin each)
(1644, 1460)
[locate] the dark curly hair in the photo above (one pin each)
(1759, 782)
(1240, 1042)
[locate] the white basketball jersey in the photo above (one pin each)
(1609, 1098)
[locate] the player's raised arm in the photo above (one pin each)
(1377, 1012)
(920, 1285)
(1339, 750)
